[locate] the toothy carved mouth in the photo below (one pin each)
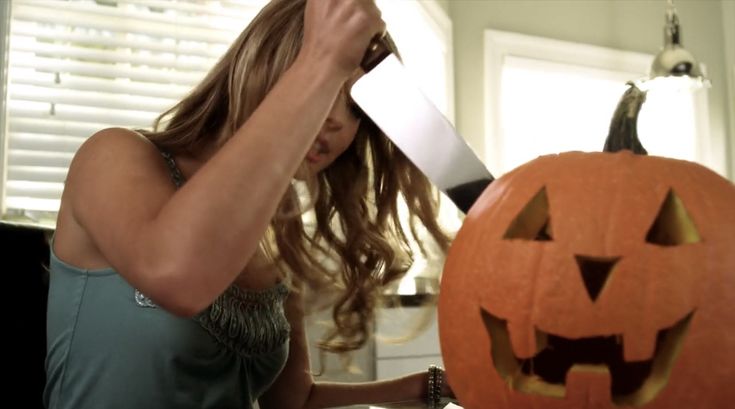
(633, 383)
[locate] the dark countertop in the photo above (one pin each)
(405, 405)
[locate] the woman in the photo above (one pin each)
(180, 260)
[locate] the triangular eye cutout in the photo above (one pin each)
(533, 222)
(673, 226)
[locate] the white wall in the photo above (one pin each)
(621, 24)
(728, 24)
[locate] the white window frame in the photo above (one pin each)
(499, 45)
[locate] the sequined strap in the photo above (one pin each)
(248, 322)
(176, 175)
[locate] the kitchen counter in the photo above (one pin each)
(405, 405)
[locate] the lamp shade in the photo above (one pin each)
(677, 61)
(674, 59)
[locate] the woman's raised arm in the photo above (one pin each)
(183, 247)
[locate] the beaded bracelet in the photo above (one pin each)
(436, 380)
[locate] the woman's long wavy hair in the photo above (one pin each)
(357, 244)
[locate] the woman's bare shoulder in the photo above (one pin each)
(115, 139)
(116, 179)
(115, 149)
(116, 161)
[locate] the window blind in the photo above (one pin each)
(77, 66)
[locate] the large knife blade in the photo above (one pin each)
(391, 99)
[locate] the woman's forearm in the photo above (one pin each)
(230, 200)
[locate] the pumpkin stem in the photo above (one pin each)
(623, 132)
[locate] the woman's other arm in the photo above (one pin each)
(295, 387)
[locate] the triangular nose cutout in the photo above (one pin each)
(595, 272)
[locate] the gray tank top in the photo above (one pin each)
(109, 346)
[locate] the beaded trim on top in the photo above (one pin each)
(246, 322)
(176, 175)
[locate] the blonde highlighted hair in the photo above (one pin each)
(355, 201)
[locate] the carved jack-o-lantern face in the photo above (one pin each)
(598, 280)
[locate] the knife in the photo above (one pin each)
(390, 98)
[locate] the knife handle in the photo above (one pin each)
(378, 49)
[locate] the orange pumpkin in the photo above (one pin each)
(594, 280)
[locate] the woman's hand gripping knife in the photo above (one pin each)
(182, 248)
